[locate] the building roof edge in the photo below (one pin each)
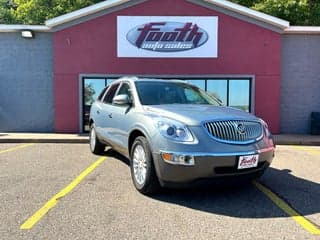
(17, 27)
(302, 30)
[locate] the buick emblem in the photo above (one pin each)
(241, 128)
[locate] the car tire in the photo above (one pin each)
(142, 167)
(96, 146)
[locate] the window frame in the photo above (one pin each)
(107, 77)
(115, 86)
(103, 92)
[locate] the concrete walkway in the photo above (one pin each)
(297, 139)
(43, 138)
(282, 139)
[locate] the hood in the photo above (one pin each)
(194, 115)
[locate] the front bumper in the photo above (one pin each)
(209, 165)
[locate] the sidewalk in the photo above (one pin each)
(282, 139)
(43, 138)
(297, 139)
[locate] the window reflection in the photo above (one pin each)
(219, 89)
(239, 94)
(197, 82)
(231, 92)
(91, 91)
(109, 81)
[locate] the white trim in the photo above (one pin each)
(250, 13)
(83, 12)
(16, 28)
(302, 30)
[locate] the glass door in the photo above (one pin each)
(92, 87)
(233, 92)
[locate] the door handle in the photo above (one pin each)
(98, 112)
(110, 115)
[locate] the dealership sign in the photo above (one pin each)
(167, 37)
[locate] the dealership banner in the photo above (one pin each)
(167, 37)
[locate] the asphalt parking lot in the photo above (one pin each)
(47, 191)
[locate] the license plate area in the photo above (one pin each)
(249, 161)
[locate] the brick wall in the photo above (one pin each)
(26, 83)
(300, 82)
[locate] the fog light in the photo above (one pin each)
(178, 159)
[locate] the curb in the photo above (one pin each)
(304, 140)
(281, 139)
(86, 140)
(43, 140)
(297, 143)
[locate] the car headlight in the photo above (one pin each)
(173, 130)
(266, 130)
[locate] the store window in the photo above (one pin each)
(92, 88)
(219, 89)
(239, 94)
(233, 92)
(198, 82)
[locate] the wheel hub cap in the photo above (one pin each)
(139, 165)
(92, 139)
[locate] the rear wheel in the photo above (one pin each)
(96, 146)
(142, 168)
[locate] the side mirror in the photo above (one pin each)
(122, 99)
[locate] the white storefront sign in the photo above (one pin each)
(167, 37)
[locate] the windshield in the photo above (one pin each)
(157, 93)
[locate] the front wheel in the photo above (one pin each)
(142, 168)
(96, 146)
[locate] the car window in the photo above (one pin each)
(194, 97)
(124, 89)
(156, 93)
(102, 93)
(110, 93)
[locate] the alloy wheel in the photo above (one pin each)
(139, 164)
(92, 139)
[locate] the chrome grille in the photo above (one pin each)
(235, 131)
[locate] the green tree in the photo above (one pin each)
(247, 3)
(297, 12)
(5, 11)
(294, 11)
(314, 10)
(38, 11)
(88, 94)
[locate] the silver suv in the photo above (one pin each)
(175, 133)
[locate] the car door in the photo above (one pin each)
(96, 110)
(104, 113)
(120, 118)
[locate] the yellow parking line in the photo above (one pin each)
(305, 223)
(16, 148)
(29, 223)
(307, 149)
